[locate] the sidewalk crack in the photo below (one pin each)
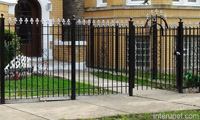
(26, 112)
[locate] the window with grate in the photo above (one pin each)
(191, 52)
(101, 3)
(142, 51)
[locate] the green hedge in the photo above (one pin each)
(12, 46)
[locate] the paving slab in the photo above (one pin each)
(99, 106)
(8, 113)
(136, 104)
(170, 96)
(66, 110)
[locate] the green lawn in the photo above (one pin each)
(162, 77)
(37, 86)
(138, 80)
(149, 116)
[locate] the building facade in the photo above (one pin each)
(188, 10)
(44, 11)
(122, 10)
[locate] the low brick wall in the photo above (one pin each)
(62, 51)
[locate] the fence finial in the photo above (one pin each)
(147, 16)
(68, 22)
(107, 23)
(63, 21)
(112, 23)
(156, 11)
(73, 17)
(83, 22)
(53, 21)
(161, 12)
(9, 20)
(181, 19)
(31, 20)
(98, 23)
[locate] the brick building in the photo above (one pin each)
(189, 10)
(74, 7)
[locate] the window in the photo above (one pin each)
(104, 1)
(101, 3)
(137, 2)
(187, 2)
(143, 51)
(191, 51)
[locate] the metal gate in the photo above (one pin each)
(155, 59)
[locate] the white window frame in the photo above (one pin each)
(101, 4)
(129, 2)
(186, 3)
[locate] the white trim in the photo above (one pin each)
(8, 2)
(11, 5)
(69, 43)
(46, 7)
(130, 2)
(177, 3)
(101, 4)
(186, 3)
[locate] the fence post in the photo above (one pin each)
(179, 56)
(155, 39)
(73, 57)
(92, 43)
(131, 57)
(117, 47)
(2, 72)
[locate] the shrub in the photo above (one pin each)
(12, 46)
(191, 79)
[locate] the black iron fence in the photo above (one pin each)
(64, 59)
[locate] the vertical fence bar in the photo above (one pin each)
(179, 54)
(73, 30)
(155, 37)
(2, 79)
(117, 47)
(131, 57)
(92, 44)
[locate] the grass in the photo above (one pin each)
(38, 86)
(148, 75)
(149, 116)
(162, 77)
(138, 81)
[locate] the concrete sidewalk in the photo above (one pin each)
(98, 106)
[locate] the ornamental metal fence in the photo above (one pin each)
(63, 59)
